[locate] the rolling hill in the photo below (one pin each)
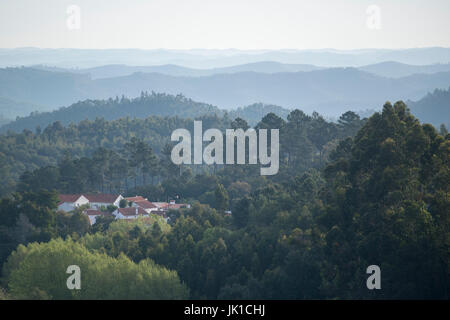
(434, 108)
(142, 107)
(327, 91)
(117, 70)
(392, 69)
(210, 58)
(10, 109)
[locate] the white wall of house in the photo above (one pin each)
(69, 206)
(150, 210)
(98, 205)
(117, 202)
(118, 215)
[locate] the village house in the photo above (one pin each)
(69, 202)
(143, 203)
(130, 213)
(97, 203)
(103, 200)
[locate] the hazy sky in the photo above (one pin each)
(242, 24)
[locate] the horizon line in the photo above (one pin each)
(225, 49)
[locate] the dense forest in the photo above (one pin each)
(348, 195)
(27, 151)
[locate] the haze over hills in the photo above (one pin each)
(142, 107)
(388, 69)
(434, 108)
(392, 69)
(328, 91)
(206, 58)
(10, 109)
(53, 89)
(225, 79)
(118, 70)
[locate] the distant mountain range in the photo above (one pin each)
(328, 91)
(388, 69)
(10, 109)
(206, 59)
(392, 69)
(111, 71)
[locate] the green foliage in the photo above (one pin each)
(124, 154)
(3, 294)
(146, 105)
(348, 195)
(42, 268)
(144, 223)
(32, 216)
(221, 198)
(387, 204)
(123, 203)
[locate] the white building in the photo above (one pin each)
(103, 200)
(144, 204)
(130, 213)
(69, 202)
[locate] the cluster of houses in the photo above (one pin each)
(96, 205)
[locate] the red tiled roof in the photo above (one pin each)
(161, 205)
(137, 198)
(68, 198)
(167, 206)
(102, 197)
(131, 211)
(145, 204)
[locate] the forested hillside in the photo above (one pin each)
(219, 151)
(153, 104)
(434, 108)
(145, 105)
(26, 151)
(348, 195)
